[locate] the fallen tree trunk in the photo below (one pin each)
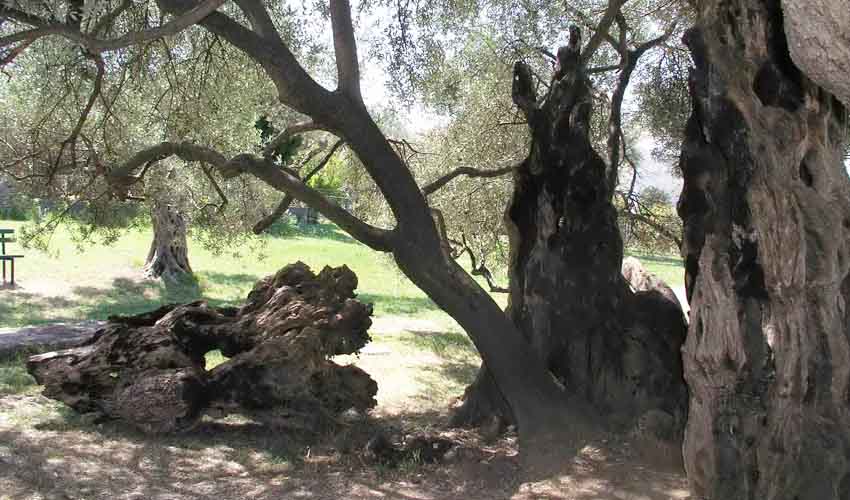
(149, 370)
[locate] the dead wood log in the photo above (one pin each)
(149, 369)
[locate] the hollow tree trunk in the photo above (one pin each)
(608, 346)
(766, 210)
(168, 256)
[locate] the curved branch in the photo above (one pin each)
(297, 128)
(628, 63)
(468, 171)
(373, 237)
(96, 45)
(267, 221)
(601, 30)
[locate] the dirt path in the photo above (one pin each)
(47, 452)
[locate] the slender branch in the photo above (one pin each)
(628, 64)
(297, 128)
(345, 47)
(221, 195)
(656, 226)
(374, 237)
(267, 221)
(480, 270)
(71, 141)
(96, 45)
(468, 171)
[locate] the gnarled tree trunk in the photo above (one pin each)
(766, 209)
(607, 345)
(168, 256)
(149, 370)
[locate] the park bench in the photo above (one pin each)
(8, 257)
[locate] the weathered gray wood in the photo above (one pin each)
(45, 337)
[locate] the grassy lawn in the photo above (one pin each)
(103, 281)
(106, 280)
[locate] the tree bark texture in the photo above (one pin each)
(149, 370)
(607, 345)
(766, 211)
(819, 42)
(168, 256)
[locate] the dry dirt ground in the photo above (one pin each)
(48, 452)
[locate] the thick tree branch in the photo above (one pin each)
(265, 170)
(107, 21)
(345, 47)
(267, 221)
(467, 171)
(628, 63)
(259, 18)
(601, 30)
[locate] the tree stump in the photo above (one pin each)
(149, 369)
(608, 346)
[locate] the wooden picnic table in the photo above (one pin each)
(4, 257)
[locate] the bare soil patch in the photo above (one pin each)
(48, 452)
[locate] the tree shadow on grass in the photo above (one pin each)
(125, 296)
(325, 231)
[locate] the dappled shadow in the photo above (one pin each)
(125, 296)
(228, 279)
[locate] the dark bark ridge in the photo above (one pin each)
(766, 211)
(149, 370)
(611, 347)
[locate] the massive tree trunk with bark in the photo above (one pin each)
(168, 256)
(607, 345)
(766, 210)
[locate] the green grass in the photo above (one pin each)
(67, 285)
(667, 267)
(14, 378)
(104, 281)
